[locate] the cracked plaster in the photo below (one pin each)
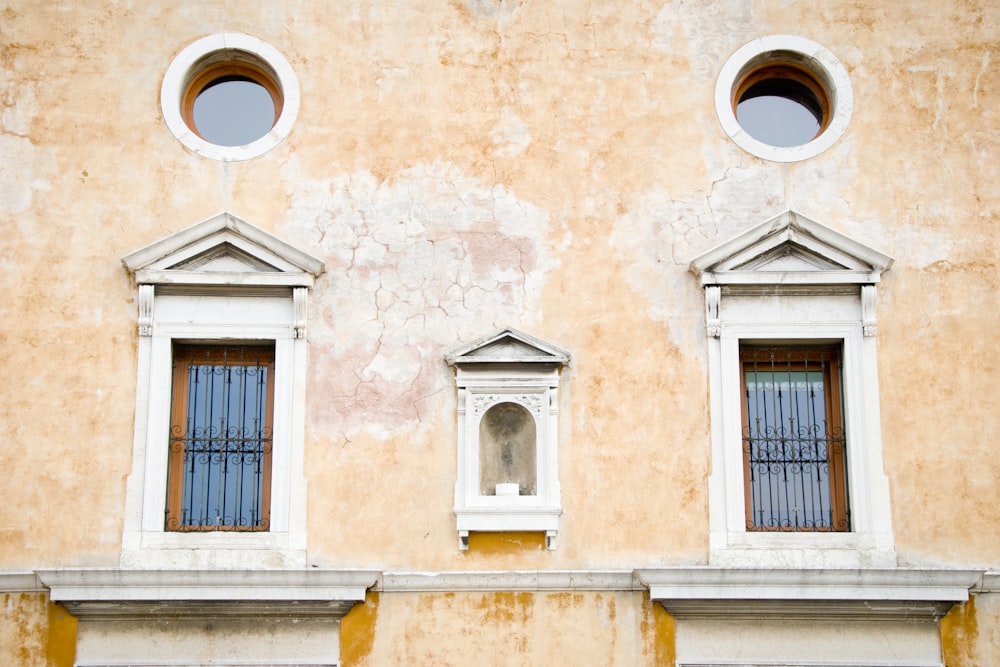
(416, 264)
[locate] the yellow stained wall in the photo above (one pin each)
(970, 633)
(35, 632)
(507, 628)
(465, 165)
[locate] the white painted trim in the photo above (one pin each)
(180, 71)
(220, 307)
(103, 585)
(820, 60)
(870, 540)
(717, 583)
(20, 582)
(158, 257)
(508, 366)
(732, 262)
(507, 580)
(776, 306)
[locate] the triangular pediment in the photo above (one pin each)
(507, 346)
(790, 249)
(222, 250)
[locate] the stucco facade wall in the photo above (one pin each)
(522, 628)
(467, 165)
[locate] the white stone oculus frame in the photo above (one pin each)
(508, 434)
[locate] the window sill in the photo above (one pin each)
(805, 550)
(215, 549)
(508, 519)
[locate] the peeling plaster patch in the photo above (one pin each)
(658, 235)
(504, 10)
(415, 265)
(712, 29)
(18, 177)
(510, 135)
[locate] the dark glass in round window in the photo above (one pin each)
(233, 111)
(781, 111)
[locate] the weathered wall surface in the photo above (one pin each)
(35, 632)
(507, 628)
(462, 166)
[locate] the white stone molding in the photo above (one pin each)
(989, 583)
(534, 580)
(20, 582)
(221, 279)
(794, 592)
(177, 617)
(796, 617)
(199, 593)
(815, 58)
(869, 321)
(185, 65)
(145, 310)
(300, 301)
(792, 279)
(713, 301)
(508, 366)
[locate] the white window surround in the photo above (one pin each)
(508, 366)
(807, 617)
(791, 280)
(814, 57)
(219, 280)
(185, 65)
(177, 617)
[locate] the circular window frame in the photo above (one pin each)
(810, 64)
(228, 54)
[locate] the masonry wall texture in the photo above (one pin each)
(465, 165)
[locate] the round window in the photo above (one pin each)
(229, 97)
(784, 98)
(232, 103)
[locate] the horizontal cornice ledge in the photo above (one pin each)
(20, 582)
(231, 593)
(779, 278)
(794, 593)
(520, 580)
(990, 583)
(259, 278)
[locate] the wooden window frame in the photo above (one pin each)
(182, 356)
(777, 70)
(800, 357)
(234, 70)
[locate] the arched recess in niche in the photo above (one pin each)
(507, 438)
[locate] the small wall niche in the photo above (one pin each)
(508, 385)
(507, 437)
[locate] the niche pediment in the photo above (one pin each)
(790, 249)
(222, 250)
(507, 346)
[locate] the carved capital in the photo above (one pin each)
(482, 402)
(713, 305)
(869, 323)
(300, 302)
(145, 310)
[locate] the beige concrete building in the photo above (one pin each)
(499, 332)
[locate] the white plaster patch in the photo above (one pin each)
(18, 156)
(17, 177)
(415, 265)
(711, 29)
(510, 135)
